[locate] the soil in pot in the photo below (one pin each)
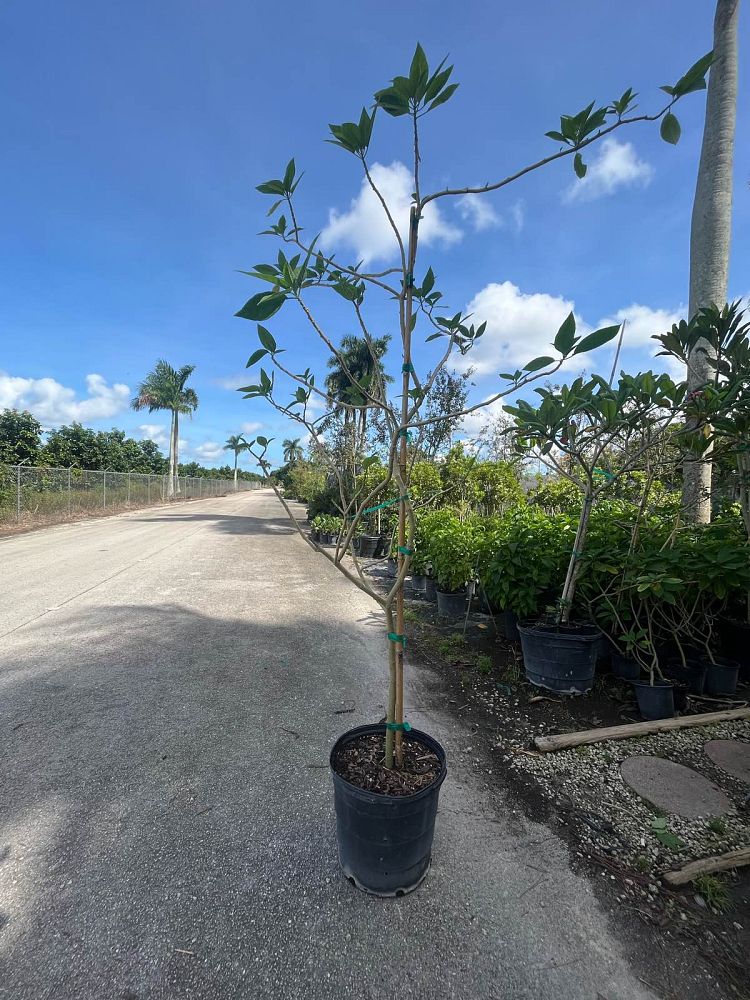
(692, 674)
(721, 676)
(560, 658)
(624, 667)
(655, 701)
(385, 820)
(452, 604)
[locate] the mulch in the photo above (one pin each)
(362, 763)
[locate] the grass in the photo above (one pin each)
(714, 890)
(411, 615)
(717, 825)
(642, 864)
(453, 648)
(484, 664)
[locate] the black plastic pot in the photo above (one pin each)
(418, 585)
(368, 545)
(560, 659)
(315, 535)
(509, 625)
(692, 674)
(430, 589)
(625, 668)
(735, 642)
(451, 604)
(385, 841)
(721, 676)
(382, 546)
(655, 701)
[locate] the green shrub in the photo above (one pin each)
(451, 548)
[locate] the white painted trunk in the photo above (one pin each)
(170, 477)
(711, 225)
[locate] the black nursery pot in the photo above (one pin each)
(368, 545)
(721, 676)
(419, 585)
(451, 604)
(385, 841)
(625, 668)
(561, 659)
(735, 643)
(692, 674)
(655, 701)
(509, 625)
(430, 589)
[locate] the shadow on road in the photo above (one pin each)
(230, 524)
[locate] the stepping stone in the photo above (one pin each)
(673, 787)
(732, 756)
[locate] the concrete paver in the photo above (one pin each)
(674, 787)
(732, 756)
(166, 816)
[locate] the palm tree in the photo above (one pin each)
(164, 389)
(237, 444)
(711, 225)
(292, 450)
(363, 361)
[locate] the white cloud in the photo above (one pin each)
(642, 323)
(478, 211)
(518, 214)
(251, 428)
(234, 381)
(615, 165)
(365, 227)
(53, 403)
(209, 451)
(158, 433)
(520, 327)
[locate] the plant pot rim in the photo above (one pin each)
(577, 629)
(453, 593)
(724, 662)
(379, 727)
(658, 682)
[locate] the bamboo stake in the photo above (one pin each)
(567, 740)
(719, 863)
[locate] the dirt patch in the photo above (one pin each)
(362, 763)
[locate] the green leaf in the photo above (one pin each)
(670, 130)
(392, 102)
(262, 306)
(255, 357)
(265, 337)
(596, 339)
(429, 282)
(445, 96)
(418, 71)
(271, 187)
(579, 166)
(537, 363)
(289, 175)
(262, 441)
(566, 335)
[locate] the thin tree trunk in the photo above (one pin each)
(170, 483)
(710, 229)
(176, 453)
(236, 456)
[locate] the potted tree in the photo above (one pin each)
(574, 431)
(386, 802)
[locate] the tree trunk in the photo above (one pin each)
(170, 477)
(176, 488)
(236, 457)
(710, 228)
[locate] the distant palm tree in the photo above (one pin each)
(292, 450)
(237, 444)
(366, 368)
(164, 389)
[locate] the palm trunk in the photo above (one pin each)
(170, 482)
(710, 229)
(236, 456)
(176, 454)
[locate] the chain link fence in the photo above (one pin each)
(33, 496)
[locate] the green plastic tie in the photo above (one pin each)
(386, 503)
(395, 637)
(404, 432)
(406, 551)
(409, 280)
(404, 727)
(603, 472)
(407, 366)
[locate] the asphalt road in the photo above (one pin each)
(169, 683)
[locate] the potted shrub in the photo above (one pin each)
(573, 431)
(393, 789)
(452, 553)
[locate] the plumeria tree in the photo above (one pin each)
(302, 270)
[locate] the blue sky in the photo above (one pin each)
(135, 135)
